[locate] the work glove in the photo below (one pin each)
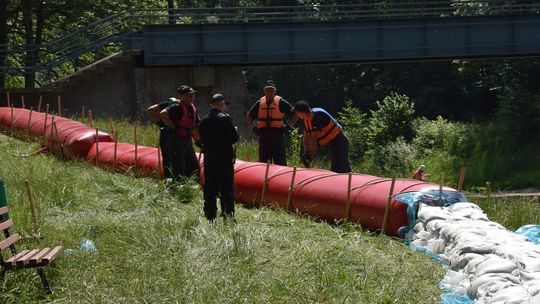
(255, 130)
(306, 159)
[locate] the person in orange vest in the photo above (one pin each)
(321, 129)
(420, 174)
(270, 113)
(184, 119)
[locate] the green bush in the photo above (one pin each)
(393, 118)
(395, 158)
(355, 126)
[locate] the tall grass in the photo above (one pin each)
(152, 248)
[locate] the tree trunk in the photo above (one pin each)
(170, 6)
(29, 60)
(3, 40)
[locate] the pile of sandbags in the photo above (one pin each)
(486, 261)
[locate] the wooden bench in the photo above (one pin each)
(36, 258)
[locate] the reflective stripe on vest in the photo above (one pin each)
(186, 121)
(269, 115)
(326, 133)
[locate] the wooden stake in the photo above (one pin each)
(8, 98)
(45, 124)
(32, 207)
(111, 125)
(387, 209)
(265, 182)
(22, 102)
(59, 102)
(160, 165)
(11, 122)
(461, 177)
(52, 130)
(60, 147)
(91, 118)
(115, 150)
(488, 191)
(97, 147)
(291, 189)
(39, 103)
(29, 121)
(136, 145)
(83, 112)
(348, 202)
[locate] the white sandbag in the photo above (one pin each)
(511, 295)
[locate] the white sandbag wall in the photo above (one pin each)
(486, 261)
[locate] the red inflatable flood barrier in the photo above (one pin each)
(72, 138)
(318, 193)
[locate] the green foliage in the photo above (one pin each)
(355, 127)
(518, 114)
(392, 159)
(392, 119)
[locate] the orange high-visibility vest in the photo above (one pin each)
(269, 115)
(327, 133)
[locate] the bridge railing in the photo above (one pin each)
(107, 34)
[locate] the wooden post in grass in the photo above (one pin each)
(45, 124)
(291, 189)
(8, 98)
(115, 150)
(32, 206)
(488, 191)
(39, 103)
(160, 165)
(83, 112)
(97, 147)
(59, 103)
(111, 125)
(348, 201)
(23, 106)
(60, 147)
(52, 132)
(136, 146)
(29, 121)
(387, 209)
(460, 180)
(11, 122)
(90, 118)
(264, 183)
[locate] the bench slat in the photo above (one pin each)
(52, 255)
(4, 210)
(5, 225)
(9, 241)
(12, 261)
(25, 259)
(36, 259)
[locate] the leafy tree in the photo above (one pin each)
(393, 119)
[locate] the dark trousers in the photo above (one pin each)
(272, 146)
(339, 150)
(183, 162)
(164, 133)
(218, 179)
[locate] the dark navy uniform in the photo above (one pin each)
(164, 133)
(218, 135)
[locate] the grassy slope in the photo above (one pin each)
(153, 249)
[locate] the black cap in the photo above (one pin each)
(270, 84)
(182, 90)
(302, 106)
(218, 98)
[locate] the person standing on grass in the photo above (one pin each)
(269, 112)
(182, 117)
(218, 135)
(321, 129)
(164, 131)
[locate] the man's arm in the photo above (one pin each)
(153, 113)
(164, 115)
